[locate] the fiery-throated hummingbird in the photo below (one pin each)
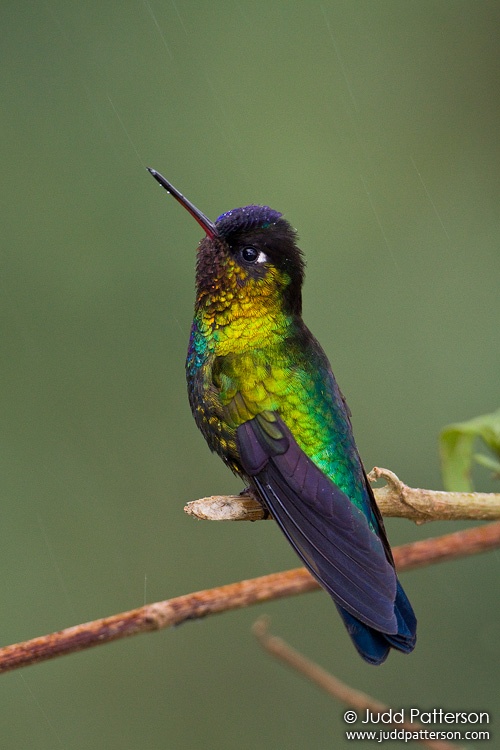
(263, 394)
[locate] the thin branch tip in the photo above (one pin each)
(333, 686)
(260, 627)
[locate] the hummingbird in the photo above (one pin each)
(264, 396)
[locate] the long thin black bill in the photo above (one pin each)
(208, 226)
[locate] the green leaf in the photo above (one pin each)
(488, 462)
(456, 448)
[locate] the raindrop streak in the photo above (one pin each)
(56, 567)
(41, 709)
(179, 17)
(126, 132)
(430, 199)
(96, 111)
(226, 116)
(342, 66)
(378, 221)
(183, 329)
(150, 11)
(91, 99)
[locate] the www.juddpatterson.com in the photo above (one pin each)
(411, 724)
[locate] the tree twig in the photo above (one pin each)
(232, 596)
(339, 690)
(395, 499)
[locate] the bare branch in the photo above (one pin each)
(157, 616)
(232, 596)
(395, 499)
(447, 547)
(339, 690)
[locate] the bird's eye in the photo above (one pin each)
(252, 255)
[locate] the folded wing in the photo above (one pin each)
(330, 534)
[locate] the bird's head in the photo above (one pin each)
(248, 253)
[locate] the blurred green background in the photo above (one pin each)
(374, 127)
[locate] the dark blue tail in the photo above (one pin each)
(373, 645)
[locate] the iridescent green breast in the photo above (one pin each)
(284, 371)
